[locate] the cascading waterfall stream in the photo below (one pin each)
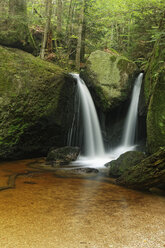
(93, 142)
(128, 137)
(93, 148)
(131, 120)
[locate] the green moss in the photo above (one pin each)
(146, 174)
(32, 96)
(111, 77)
(124, 163)
(113, 59)
(155, 65)
(154, 89)
(14, 32)
(156, 116)
(16, 64)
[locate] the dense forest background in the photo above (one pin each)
(67, 31)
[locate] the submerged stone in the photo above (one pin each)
(63, 155)
(77, 172)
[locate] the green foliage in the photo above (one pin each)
(129, 26)
(113, 84)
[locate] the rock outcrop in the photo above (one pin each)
(109, 77)
(150, 172)
(36, 105)
(154, 88)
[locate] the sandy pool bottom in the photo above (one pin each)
(45, 211)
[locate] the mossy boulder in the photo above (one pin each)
(36, 102)
(63, 155)
(14, 32)
(109, 77)
(154, 89)
(156, 116)
(124, 162)
(150, 172)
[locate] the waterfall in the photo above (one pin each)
(92, 137)
(128, 139)
(131, 120)
(86, 124)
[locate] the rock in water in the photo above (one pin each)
(124, 162)
(150, 172)
(63, 155)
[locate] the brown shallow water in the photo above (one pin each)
(45, 211)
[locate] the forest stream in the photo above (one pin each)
(42, 210)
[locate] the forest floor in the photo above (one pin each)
(39, 209)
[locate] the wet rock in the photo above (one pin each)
(150, 172)
(124, 162)
(77, 172)
(62, 156)
(86, 170)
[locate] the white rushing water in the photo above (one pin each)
(93, 142)
(128, 139)
(94, 153)
(131, 120)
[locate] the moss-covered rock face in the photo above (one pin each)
(124, 163)
(154, 88)
(150, 172)
(14, 32)
(110, 77)
(35, 105)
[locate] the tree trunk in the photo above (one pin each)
(129, 33)
(112, 34)
(69, 41)
(83, 38)
(69, 19)
(59, 17)
(79, 42)
(15, 32)
(2, 9)
(47, 27)
(17, 7)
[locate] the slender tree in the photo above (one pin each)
(69, 18)
(80, 35)
(47, 27)
(59, 16)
